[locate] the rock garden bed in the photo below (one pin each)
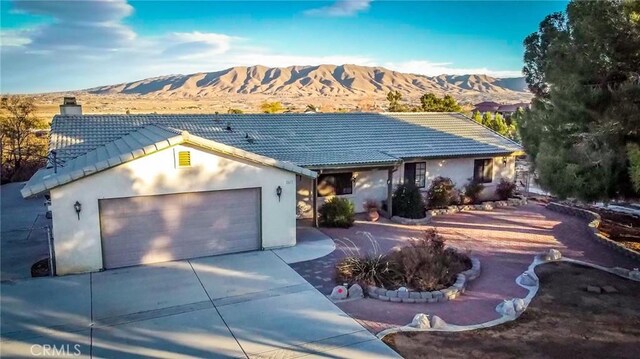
(423, 272)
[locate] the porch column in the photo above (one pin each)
(314, 196)
(390, 192)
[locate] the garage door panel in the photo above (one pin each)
(151, 229)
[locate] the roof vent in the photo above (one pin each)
(229, 127)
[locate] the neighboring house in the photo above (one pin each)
(133, 189)
(487, 106)
(505, 110)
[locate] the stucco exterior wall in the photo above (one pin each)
(461, 169)
(370, 184)
(77, 243)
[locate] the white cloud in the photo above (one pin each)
(341, 8)
(428, 68)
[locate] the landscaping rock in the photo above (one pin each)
(554, 254)
(528, 279)
(392, 293)
(609, 289)
(594, 289)
(339, 292)
(403, 292)
(478, 207)
(506, 308)
(420, 321)
(426, 295)
(519, 305)
(355, 291)
(415, 295)
(438, 323)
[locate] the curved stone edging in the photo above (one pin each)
(411, 221)
(533, 290)
(484, 206)
(594, 222)
(442, 295)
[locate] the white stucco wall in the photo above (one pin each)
(370, 184)
(77, 243)
(461, 169)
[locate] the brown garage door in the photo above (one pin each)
(150, 229)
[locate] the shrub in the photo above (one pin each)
(408, 202)
(425, 265)
(472, 190)
(369, 270)
(505, 189)
(337, 212)
(442, 192)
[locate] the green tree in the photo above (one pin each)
(487, 118)
(432, 103)
(499, 125)
(477, 116)
(394, 97)
(22, 151)
(271, 107)
(582, 65)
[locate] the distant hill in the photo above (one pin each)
(317, 81)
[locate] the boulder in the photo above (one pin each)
(519, 305)
(594, 289)
(554, 254)
(355, 291)
(438, 323)
(403, 292)
(506, 308)
(609, 289)
(339, 292)
(420, 321)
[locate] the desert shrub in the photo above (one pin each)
(370, 270)
(408, 202)
(337, 212)
(505, 189)
(427, 265)
(442, 192)
(424, 265)
(472, 190)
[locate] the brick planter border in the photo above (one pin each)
(594, 222)
(411, 221)
(435, 296)
(484, 206)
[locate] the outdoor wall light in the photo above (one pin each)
(78, 207)
(504, 160)
(353, 179)
(279, 192)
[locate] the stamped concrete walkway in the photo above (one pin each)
(505, 240)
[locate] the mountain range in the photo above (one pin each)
(316, 81)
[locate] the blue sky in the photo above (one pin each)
(65, 45)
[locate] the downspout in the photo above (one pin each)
(314, 194)
(390, 191)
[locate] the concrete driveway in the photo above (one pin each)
(242, 305)
(23, 233)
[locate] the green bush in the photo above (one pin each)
(505, 189)
(408, 202)
(337, 212)
(442, 193)
(472, 190)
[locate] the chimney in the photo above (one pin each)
(70, 107)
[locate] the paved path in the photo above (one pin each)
(505, 240)
(242, 305)
(23, 233)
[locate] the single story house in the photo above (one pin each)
(135, 189)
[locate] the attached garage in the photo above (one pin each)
(158, 194)
(150, 229)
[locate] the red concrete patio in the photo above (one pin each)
(505, 240)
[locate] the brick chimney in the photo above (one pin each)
(70, 107)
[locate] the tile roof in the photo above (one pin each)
(310, 140)
(141, 142)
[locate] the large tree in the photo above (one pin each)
(583, 66)
(432, 103)
(22, 150)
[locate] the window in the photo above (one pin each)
(184, 159)
(483, 170)
(335, 184)
(415, 173)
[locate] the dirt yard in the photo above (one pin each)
(563, 321)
